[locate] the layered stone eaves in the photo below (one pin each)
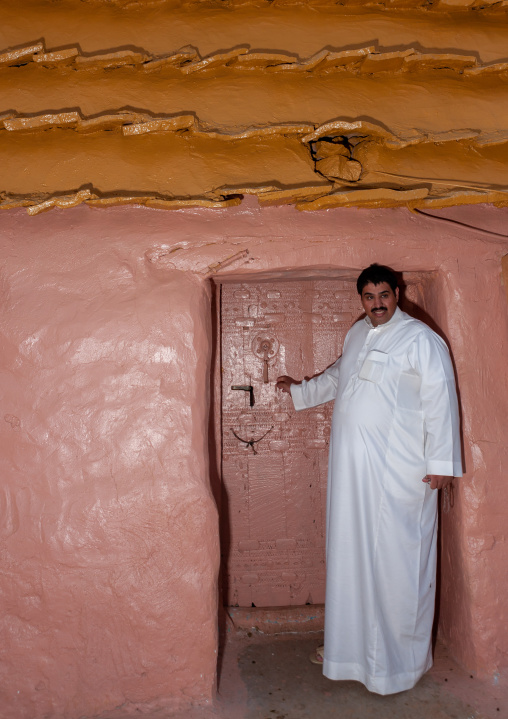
(368, 60)
(364, 125)
(137, 123)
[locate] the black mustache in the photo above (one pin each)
(375, 309)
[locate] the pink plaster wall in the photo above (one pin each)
(109, 531)
(110, 539)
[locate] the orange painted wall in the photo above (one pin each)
(109, 529)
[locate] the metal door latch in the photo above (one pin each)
(246, 388)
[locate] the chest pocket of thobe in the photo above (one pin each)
(373, 367)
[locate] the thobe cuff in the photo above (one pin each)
(297, 396)
(446, 468)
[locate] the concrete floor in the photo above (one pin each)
(269, 676)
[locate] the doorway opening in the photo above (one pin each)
(271, 460)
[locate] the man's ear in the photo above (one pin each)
(397, 294)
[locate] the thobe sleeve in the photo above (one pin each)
(317, 390)
(438, 395)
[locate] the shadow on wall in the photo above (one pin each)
(215, 450)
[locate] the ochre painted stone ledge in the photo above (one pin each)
(367, 60)
(139, 123)
(302, 198)
(56, 160)
(143, 123)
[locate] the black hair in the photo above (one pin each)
(376, 274)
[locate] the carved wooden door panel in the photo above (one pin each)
(274, 460)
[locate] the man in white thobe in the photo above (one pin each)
(394, 442)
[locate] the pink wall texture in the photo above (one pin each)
(109, 530)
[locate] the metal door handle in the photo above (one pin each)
(246, 388)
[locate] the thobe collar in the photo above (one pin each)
(397, 316)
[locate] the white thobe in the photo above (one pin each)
(395, 420)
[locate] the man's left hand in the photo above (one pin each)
(437, 481)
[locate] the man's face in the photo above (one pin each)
(379, 302)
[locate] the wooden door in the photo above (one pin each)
(274, 489)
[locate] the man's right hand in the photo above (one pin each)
(284, 383)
